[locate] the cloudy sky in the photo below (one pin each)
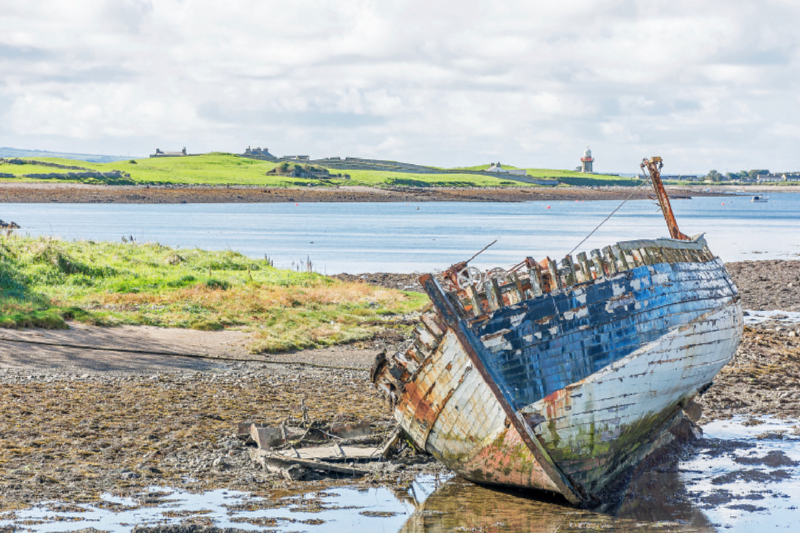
(532, 83)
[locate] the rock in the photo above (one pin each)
(351, 429)
(189, 528)
(267, 437)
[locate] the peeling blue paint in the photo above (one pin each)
(537, 356)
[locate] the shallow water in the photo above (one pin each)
(409, 237)
(739, 478)
(780, 317)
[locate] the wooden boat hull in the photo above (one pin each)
(566, 390)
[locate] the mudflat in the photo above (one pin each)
(94, 410)
(177, 194)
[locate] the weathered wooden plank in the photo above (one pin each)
(477, 305)
(516, 287)
(432, 323)
(609, 261)
(620, 259)
(597, 262)
(568, 266)
(263, 455)
(331, 453)
(493, 296)
(535, 279)
(555, 280)
(582, 272)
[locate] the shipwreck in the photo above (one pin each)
(564, 376)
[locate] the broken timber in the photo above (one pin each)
(562, 375)
(264, 457)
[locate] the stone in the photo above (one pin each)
(351, 430)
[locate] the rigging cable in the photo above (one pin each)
(609, 216)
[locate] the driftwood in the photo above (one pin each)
(268, 437)
(386, 449)
(283, 464)
(335, 453)
(351, 430)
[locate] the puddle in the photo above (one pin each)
(782, 317)
(334, 510)
(747, 478)
(744, 475)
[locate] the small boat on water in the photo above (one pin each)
(563, 376)
(759, 199)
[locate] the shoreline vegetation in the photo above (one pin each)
(188, 194)
(46, 282)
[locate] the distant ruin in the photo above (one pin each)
(259, 153)
(159, 153)
(498, 168)
(305, 171)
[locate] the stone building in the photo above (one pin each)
(159, 153)
(496, 167)
(259, 153)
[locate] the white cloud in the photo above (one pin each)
(447, 83)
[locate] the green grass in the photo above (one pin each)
(208, 169)
(553, 173)
(46, 282)
(376, 178)
(230, 169)
(599, 181)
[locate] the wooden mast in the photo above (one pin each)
(652, 167)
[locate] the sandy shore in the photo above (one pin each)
(77, 193)
(92, 410)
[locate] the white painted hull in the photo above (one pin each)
(588, 417)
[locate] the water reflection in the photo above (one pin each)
(462, 506)
(741, 477)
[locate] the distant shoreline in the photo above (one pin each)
(178, 194)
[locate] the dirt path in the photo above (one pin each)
(146, 349)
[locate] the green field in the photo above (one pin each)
(229, 169)
(45, 282)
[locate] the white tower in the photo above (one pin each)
(586, 161)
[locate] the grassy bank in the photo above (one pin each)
(229, 169)
(46, 282)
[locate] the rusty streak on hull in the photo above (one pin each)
(473, 348)
(561, 378)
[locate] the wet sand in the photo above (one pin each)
(177, 194)
(82, 417)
